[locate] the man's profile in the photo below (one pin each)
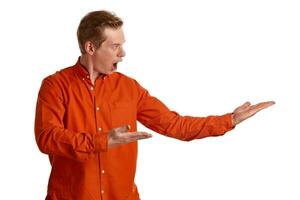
(86, 118)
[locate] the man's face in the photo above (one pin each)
(110, 53)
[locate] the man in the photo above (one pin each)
(86, 118)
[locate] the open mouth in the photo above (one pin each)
(115, 65)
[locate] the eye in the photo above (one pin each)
(115, 46)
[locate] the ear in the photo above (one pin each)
(89, 47)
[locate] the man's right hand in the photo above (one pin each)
(120, 135)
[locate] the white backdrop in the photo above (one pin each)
(199, 58)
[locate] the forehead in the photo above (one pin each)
(114, 35)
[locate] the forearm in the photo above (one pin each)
(188, 128)
(79, 146)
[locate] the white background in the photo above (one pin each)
(200, 58)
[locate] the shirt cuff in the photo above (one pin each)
(101, 142)
(229, 121)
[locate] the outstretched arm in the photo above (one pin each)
(156, 116)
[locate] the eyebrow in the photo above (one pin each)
(119, 43)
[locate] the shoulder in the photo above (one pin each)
(119, 75)
(62, 76)
(128, 82)
(124, 78)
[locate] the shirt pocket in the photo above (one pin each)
(122, 113)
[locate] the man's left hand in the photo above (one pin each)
(247, 110)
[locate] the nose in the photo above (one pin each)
(121, 52)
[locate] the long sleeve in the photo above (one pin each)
(51, 135)
(156, 116)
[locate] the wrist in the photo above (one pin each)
(233, 119)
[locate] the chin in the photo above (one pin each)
(110, 72)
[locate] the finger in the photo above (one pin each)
(262, 105)
(133, 136)
(122, 129)
(139, 135)
(243, 107)
(258, 107)
(143, 135)
(269, 103)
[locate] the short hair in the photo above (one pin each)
(92, 26)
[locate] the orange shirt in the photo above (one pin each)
(73, 118)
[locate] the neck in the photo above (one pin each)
(88, 64)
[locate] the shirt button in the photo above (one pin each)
(99, 129)
(102, 171)
(92, 88)
(102, 191)
(83, 79)
(98, 108)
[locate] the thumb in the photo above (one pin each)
(243, 107)
(122, 129)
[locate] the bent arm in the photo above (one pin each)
(52, 137)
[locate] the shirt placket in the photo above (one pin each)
(95, 92)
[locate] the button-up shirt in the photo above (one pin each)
(73, 118)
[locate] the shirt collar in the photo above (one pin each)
(82, 72)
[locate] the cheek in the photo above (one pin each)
(101, 58)
(105, 55)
